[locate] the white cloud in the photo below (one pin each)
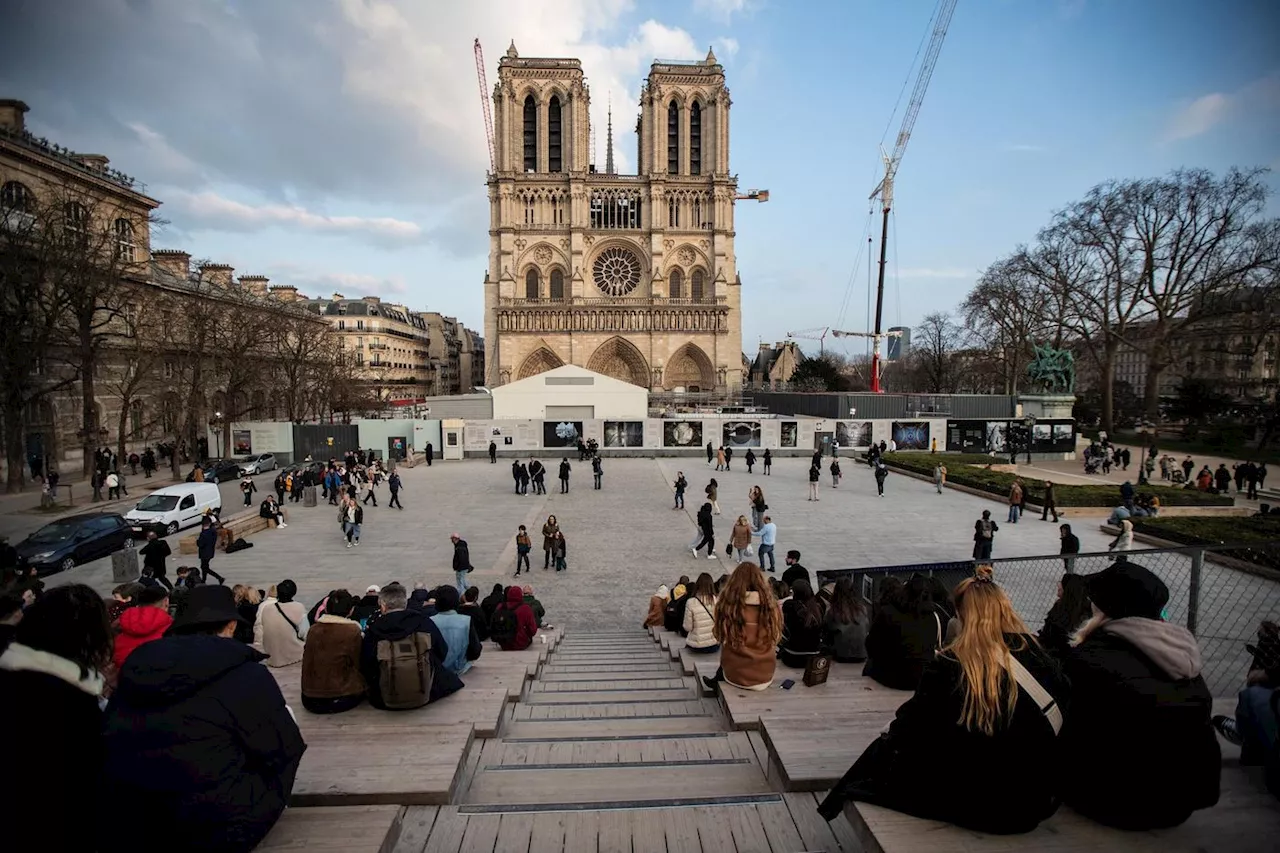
(720, 10)
(318, 283)
(934, 272)
(212, 210)
(1199, 116)
(726, 48)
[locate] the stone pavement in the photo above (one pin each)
(623, 541)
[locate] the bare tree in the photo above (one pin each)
(305, 351)
(138, 355)
(934, 343)
(1005, 313)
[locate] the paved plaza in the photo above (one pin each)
(623, 541)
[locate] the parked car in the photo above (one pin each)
(168, 510)
(250, 465)
(219, 470)
(76, 539)
(315, 467)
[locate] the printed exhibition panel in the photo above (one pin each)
(1000, 437)
(623, 434)
(682, 434)
(741, 433)
(854, 434)
(561, 433)
(789, 434)
(911, 435)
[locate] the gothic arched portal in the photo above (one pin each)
(539, 361)
(619, 358)
(689, 368)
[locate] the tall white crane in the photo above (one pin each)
(884, 189)
(485, 95)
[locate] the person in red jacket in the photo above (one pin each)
(147, 620)
(513, 625)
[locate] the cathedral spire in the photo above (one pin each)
(608, 157)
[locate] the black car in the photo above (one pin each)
(316, 468)
(76, 539)
(218, 471)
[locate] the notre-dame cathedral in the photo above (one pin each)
(633, 276)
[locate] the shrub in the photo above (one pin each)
(962, 471)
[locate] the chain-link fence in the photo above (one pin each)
(1212, 594)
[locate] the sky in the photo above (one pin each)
(338, 145)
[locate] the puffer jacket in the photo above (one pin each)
(139, 625)
(740, 537)
(699, 623)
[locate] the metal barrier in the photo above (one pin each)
(1221, 604)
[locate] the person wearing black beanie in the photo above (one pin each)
(1139, 748)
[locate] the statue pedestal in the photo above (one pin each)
(1047, 406)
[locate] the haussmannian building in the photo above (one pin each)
(632, 276)
(388, 343)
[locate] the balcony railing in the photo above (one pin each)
(622, 302)
(378, 346)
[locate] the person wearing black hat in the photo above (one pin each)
(1139, 748)
(200, 733)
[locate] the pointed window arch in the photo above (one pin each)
(530, 134)
(532, 284)
(673, 138)
(553, 135)
(695, 139)
(676, 283)
(697, 290)
(557, 284)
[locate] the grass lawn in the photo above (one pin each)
(1208, 530)
(962, 470)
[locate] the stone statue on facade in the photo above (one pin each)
(1052, 371)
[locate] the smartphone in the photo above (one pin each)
(788, 684)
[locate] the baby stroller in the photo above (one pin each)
(1177, 476)
(1091, 464)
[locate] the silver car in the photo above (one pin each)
(251, 465)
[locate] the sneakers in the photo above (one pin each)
(711, 684)
(348, 544)
(710, 556)
(694, 552)
(282, 524)
(1226, 726)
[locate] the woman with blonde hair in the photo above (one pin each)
(247, 602)
(986, 713)
(748, 625)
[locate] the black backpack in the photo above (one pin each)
(504, 625)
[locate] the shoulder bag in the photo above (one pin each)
(294, 625)
(1044, 701)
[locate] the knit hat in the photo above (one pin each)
(1126, 589)
(372, 589)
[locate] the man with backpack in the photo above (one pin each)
(984, 533)
(402, 656)
(461, 562)
(513, 625)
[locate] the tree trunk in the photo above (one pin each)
(88, 415)
(1108, 386)
(1151, 393)
(123, 426)
(14, 449)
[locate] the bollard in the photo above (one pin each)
(309, 496)
(124, 565)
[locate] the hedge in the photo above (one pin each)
(962, 471)
(1217, 530)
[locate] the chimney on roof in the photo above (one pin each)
(11, 115)
(175, 262)
(337, 296)
(255, 284)
(284, 292)
(97, 162)
(372, 300)
(218, 275)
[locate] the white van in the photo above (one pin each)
(168, 510)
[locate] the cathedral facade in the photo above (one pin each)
(633, 276)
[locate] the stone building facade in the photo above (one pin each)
(388, 343)
(632, 276)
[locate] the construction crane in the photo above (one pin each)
(484, 105)
(884, 189)
(752, 195)
(812, 335)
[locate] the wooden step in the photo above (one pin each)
(581, 670)
(606, 684)
(687, 707)
(737, 746)
(616, 728)
(576, 697)
(623, 785)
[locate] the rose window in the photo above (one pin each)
(616, 271)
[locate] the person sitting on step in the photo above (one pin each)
(699, 617)
(801, 626)
(457, 629)
(846, 623)
(513, 625)
(748, 626)
(402, 655)
(986, 706)
(906, 632)
(331, 679)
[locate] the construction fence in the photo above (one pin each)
(1223, 606)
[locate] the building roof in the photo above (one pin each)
(568, 375)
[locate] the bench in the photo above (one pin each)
(349, 829)
(233, 528)
(1245, 820)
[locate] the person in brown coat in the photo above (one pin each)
(740, 538)
(657, 607)
(1015, 501)
(331, 679)
(549, 531)
(748, 626)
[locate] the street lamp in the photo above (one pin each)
(215, 423)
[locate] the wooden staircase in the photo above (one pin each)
(613, 748)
